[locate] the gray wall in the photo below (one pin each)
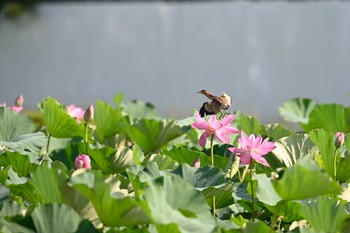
(262, 54)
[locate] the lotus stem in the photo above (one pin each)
(86, 139)
(252, 188)
(212, 164)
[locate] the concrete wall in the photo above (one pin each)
(262, 54)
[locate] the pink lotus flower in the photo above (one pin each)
(18, 107)
(220, 129)
(196, 163)
(76, 112)
(82, 161)
(340, 138)
(253, 149)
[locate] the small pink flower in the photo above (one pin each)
(82, 161)
(196, 163)
(220, 129)
(340, 138)
(253, 149)
(76, 112)
(16, 108)
(19, 101)
(89, 113)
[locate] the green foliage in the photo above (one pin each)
(108, 120)
(297, 110)
(58, 123)
(142, 179)
(151, 134)
(17, 132)
(305, 180)
(333, 214)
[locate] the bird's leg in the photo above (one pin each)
(223, 113)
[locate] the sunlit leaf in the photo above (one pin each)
(26, 191)
(20, 163)
(202, 177)
(163, 162)
(249, 124)
(333, 214)
(325, 142)
(138, 109)
(13, 124)
(305, 180)
(276, 131)
(46, 181)
(265, 191)
(290, 210)
(152, 134)
(186, 155)
(112, 203)
(118, 99)
(55, 218)
(58, 122)
(253, 227)
(108, 120)
(10, 227)
(297, 110)
(27, 142)
(331, 117)
(185, 206)
(17, 132)
(290, 149)
(101, 155)
(122, 159)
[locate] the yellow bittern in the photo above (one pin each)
(217, 103)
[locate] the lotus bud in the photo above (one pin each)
(196, 163)
(339, 141)
(82, 161)
(19, 101)
(89, 113)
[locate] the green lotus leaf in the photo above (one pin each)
(253, 227)
(122, 159)
(333, 215)
(297, 110)
(276, 131)
(10, 227)
(137, 109)
(186, 155)
(265, 191)
(108, 120)
(58, 122)
(325, 142)
(290, 210)
(151, 134)
(47, 181)
(27, 142)
(305, 180)
(290, 149)
(55, 217)
(17, 132)
(21, 164)
(331, 117)
(13, 124)
(113, 204)
(185, 209)
(249, 124)
(201, 178)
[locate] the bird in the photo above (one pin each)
(217, 103)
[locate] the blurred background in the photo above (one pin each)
(262, 53)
